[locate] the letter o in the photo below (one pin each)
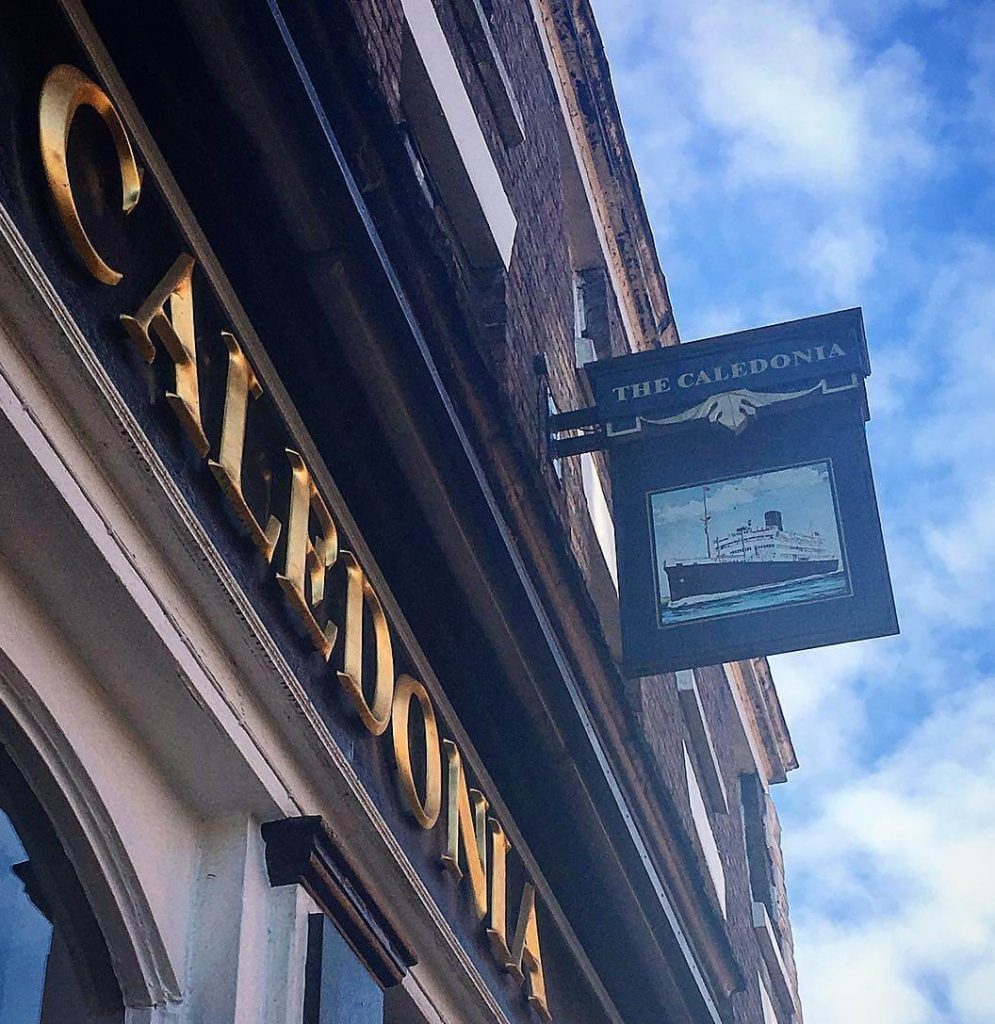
(780, 361)
(427, 813)
(64, 91)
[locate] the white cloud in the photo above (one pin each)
(842, 256)
(665, 514)
(771, 95)
(785, 117)
(782, 485)
(784, 87)
(981, 81)
(867, 986)
(804, 137)
(890, 835)
(900, 858)
(716, 320)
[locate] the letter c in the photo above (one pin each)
(65, 90)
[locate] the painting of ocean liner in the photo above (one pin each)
(747, 543)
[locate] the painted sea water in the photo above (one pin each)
(707, 606)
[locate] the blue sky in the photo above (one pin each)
(798, 157)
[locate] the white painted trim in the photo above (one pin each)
(126, 549)
(601, 517)
(303, 769)
(429, 999)
(701, 740)
(706, 834)
(433, 47)
(286, 942)
(763, 929)
(73, 479)
(144, 970)
(766, 1006)
(248, 945)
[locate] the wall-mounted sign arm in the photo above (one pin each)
(590, 439)
(576, 419)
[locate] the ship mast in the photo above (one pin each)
(705, 518)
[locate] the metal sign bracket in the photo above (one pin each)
(585, 433)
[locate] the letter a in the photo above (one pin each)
(526, 958)
(176, 332)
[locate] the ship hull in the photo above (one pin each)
(693, 579)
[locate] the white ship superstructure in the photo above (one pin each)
(748, 558)
(770, 543)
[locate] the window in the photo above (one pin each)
(354, 953)
(584, 349)
(701, 740)
(770, 1017)
(601, 517)
(54, 964)
(338, 988)
(592, 313)
(769, 911)
(703, 826)
(757, 852)
(475, 24)
(445, 126)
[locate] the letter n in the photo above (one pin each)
(466, 828)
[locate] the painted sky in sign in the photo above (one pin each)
(801, 494)
(798, 156)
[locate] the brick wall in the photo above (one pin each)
(536, 315)
(380, 25)
(723, 718)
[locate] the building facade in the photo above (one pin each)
(309, 700)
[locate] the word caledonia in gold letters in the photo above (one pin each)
(165, 321)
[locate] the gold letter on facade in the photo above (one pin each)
(176, 331)
(305, 555)
(359, 595)
(497, 929)
(526, 960)
(426, 812)
(242, 385)
(466, 828)
(66, 89)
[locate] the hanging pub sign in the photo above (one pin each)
(745, 516)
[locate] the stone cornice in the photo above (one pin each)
(580, 66)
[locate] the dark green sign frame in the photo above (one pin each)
(745, 514)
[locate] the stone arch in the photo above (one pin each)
(45, 757)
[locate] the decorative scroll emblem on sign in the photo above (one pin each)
(733, 409)
(736, 542)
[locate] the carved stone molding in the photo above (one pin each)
(93, 844)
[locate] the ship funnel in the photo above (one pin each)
(772, 520)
